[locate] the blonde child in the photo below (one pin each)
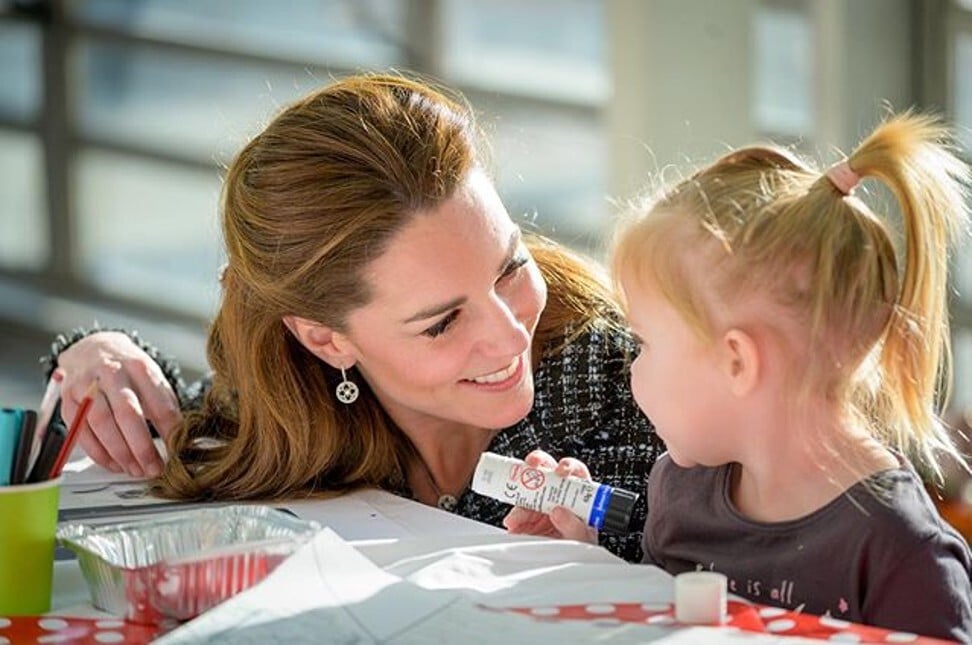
(793, 364)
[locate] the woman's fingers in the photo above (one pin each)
(115, 430)
(133, 392)
(101, 422)
(92, 447)
(93, 428)
(158, 401)
(127, 426)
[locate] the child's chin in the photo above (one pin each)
(681, 460)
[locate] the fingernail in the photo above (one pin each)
(154, 470)
(136, 472)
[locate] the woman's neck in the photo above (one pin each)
(450, 452)
(446, 454)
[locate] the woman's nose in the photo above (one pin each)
(504, 334)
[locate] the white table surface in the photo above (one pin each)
(428, 551)
(365, 516)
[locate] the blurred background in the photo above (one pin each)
(116, 117)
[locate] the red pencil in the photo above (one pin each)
(72, 434)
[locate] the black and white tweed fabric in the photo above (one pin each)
(584, 409)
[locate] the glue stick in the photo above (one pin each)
(512, 481)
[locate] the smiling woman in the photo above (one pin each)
(366, 243)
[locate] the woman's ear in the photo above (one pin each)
(740, 361)
(330, 346)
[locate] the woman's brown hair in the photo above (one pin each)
(306, 205)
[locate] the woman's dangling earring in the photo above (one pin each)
(347, 391)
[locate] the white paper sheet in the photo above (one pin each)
(325, 592)
(330, 592)
(90, 492)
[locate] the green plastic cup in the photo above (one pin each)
(28, 523)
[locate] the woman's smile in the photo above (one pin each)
(500, 379)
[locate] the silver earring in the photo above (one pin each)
(347, 391)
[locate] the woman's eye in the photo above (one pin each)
(515, 265)
(440, 327)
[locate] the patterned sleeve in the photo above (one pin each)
(584, 408)
(653, 490)
(189, 395)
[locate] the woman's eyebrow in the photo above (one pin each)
(435, 310)
(439, 309)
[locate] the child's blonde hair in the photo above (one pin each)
(872, 336)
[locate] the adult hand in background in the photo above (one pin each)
(560, 522)
(132, 391)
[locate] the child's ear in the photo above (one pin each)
(740, 361)
(330, 346)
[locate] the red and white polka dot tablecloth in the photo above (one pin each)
(742, 616)
(15, 630)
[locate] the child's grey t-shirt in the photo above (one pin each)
(894, 564)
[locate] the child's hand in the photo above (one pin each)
(560, 523)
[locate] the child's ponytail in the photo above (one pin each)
(909, 153)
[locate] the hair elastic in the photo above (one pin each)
(843, 177)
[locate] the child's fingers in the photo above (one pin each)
(570, 466)
(566, 466)
(514, 519)
(525, 522)
(560, 523)
(540, 459)
(571, 527)
(522, 520)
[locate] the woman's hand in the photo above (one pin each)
(132, 391)
(560, 523)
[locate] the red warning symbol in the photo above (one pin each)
(532, 478)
